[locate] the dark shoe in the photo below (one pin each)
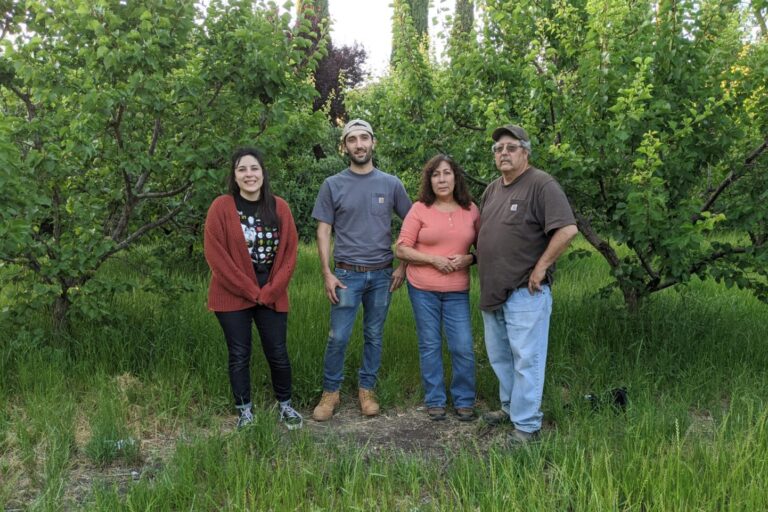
(499, 417)
(519, 438)
(245, 419)
(436, 413)
(466, 414)
(290, 417)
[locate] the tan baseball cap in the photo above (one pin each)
(510, 129)
(356, 124)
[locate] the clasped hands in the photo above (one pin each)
(448, 264)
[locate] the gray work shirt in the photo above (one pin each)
(359, 207)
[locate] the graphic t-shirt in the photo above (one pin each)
(262, 240)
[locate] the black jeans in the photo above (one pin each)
(272, 328)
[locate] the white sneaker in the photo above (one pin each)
(245, 419)
(291, 417)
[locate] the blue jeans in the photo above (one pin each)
(516, 337)
(372, 290)
(435, 311)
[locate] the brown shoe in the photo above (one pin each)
(436, 413)
(466, 413)
(329, 402)
(368, 404)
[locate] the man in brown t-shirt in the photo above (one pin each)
(526, 223)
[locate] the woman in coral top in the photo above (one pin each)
(251, 244)
(435, 240)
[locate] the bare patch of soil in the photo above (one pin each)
(407, 430)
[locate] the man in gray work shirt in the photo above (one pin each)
(526, 223)
(357, 205)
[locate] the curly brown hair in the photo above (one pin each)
(460, 190)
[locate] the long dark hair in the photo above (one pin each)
(460, 190)
(266, 209)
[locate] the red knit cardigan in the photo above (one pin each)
(233, 281)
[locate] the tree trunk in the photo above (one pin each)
(60, 310)
(631, 299)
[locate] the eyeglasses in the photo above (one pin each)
(510, 148)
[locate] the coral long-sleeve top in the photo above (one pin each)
(233, 280)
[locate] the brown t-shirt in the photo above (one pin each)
(516, 223)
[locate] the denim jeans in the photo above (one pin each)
(435, 312)
(371, 289)
(516, 337)
(272, 328)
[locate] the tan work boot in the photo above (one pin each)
(329, 402)
(368, 404)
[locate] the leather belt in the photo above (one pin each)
(362, 268)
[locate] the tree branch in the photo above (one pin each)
(749, 161)
(699, 265)
(130, 202)
(116, 126)
(462, 124)
(56, 213)
(219, 87)
(648, 269)
(602, 246)
(28, 260)
(476, 181)
(127, 241)
(170, 193)
(27, 100)
(144, 176)
(761, 21)
(155, 137)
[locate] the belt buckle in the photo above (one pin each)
(360, 268)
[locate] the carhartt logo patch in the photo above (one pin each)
(513, 208)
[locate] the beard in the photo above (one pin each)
(361, 159)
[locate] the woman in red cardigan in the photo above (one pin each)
(251, 244)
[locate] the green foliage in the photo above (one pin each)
(693, 435)
(653, 117)
(119, 119)
(409, 23)
(110, 438)
(463, 20)
(399, 105)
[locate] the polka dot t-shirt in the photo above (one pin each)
(262, 240)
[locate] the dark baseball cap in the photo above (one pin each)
(356, 124)
(510, 129)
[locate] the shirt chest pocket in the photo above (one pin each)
(515, 211)
(379, 205)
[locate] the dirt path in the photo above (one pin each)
(406, 430)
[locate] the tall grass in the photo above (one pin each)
(692, 437)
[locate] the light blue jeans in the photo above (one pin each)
(516, 337)
(433, 312)
(371, 289)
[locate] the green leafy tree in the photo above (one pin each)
(400, 104)
(338, 70)
(651, 114)
(119, 114)
(416, 14)
(463, 19)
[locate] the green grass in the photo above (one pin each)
(693, 437)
